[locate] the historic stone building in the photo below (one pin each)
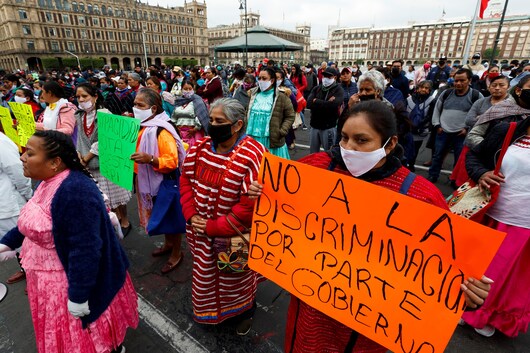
(121, 33)
(420, 42)
(223, 33)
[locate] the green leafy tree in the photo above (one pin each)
(169, 62)
(486, 54)
(50, 63)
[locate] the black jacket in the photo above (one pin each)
(483, 157)
(325, 113)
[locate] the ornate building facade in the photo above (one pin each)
(420, 42)
(121, 33)
(223, 33)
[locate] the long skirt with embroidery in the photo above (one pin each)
(56, 330)
(507, 307)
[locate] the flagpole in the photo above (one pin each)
(497, 37)
(467, 47)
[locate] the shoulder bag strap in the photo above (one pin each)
(235, 228)
(505, 145)
(407, 183)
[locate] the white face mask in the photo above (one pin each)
(354, 69)
(506, 73)
(142, 114)
(264, 85)
(278, 83)
(86, 106)
(180, 79)
(327, 81)
(358, 163)
(188, 94)
(20, 99)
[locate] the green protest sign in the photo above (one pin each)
(117, 136)
(7, 124)
(25, 121)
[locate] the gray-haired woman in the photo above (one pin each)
(371, 86)
(216, 175)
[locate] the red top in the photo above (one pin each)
(299, 84)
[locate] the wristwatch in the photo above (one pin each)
(152, 160)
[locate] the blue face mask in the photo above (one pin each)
(43, 105)
(37, 92)
(104, 86)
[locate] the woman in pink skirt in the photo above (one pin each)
(507, 307)
(81, 296)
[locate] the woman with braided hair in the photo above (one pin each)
(80, 293)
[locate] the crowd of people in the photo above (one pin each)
(205, 130)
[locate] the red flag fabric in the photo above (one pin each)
(483, 6)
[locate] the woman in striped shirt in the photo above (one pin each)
(216, 175)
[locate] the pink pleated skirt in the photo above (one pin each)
(57, 331)
(507, 307)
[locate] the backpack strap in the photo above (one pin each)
(407, 183)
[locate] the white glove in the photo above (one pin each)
(78, 310)
(6, 255)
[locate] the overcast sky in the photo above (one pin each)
(353, 13)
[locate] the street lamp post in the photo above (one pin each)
(145, 48)
(77, 57)
(243, 5)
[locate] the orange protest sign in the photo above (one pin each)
(385, 264)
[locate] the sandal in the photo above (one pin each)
(168, 267)
(161, 251)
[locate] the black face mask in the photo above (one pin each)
(441, 63)
(367, 97)
(395, 71)
(525, 97)
(220, 133)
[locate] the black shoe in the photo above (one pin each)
(432, 179)
(126, 230)
(243, 328)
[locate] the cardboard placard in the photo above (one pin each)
(7, 125)
(117, 137)
(25, 121)
(385, 264)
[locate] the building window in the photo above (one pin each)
(99, 47)
(81, 20)
(98, 34)
(95, 21)
(86, 47)
(53, 32)
(109, 22)
(111, 35)
(26, 30)
(66, 19)
(55, 46)
(41, 3)
(49, 17)
(121, 23)
(81, 7)
(110, 11)
(71, 46)
(58, 4)
(89, 8)
(74, 6)
(22, 14)
(31, 45)
(83, 33)
(66, 5)
(49, 3)
(68, 33)
(113, 47)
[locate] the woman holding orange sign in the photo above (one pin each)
(368, 150)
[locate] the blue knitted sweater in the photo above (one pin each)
(93, 259)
